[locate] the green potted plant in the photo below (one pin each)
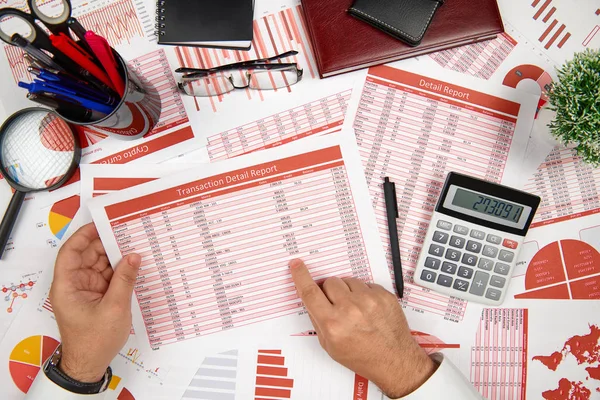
(575, 98)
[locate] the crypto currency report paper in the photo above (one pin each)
(216, 241)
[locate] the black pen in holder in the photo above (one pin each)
(134, 116)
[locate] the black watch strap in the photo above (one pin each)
(66, 382)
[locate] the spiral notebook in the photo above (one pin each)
(222, 24)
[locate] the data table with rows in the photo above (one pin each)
(415, 136)
(218, 259)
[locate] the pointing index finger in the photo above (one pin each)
(311, 294)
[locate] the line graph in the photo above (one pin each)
(274, 34)
(134, 357)
(117, 22)
(13, 292)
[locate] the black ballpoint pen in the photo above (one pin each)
(391, 207)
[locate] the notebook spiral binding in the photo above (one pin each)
(159, 26)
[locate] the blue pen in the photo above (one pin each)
(81, 90)
(73, 84)
(41, 88)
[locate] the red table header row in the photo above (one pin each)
(256, 173)
(445, 89)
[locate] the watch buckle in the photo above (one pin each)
(55, 357)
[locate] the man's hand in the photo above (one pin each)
(363, 328)
(92, 304)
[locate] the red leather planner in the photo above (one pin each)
(342, 43)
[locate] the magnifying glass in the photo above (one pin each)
(38, 151)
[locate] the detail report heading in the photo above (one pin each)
(253, 175)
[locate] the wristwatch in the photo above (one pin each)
(64, 381)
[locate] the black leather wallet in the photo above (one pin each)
(406, 20)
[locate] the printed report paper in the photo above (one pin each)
(215, 242)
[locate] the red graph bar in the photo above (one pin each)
(439, 346)
(271, 392)
(550, 14)
(276, 371)
(548, 30)
(271, 360)
(564, 40)
(556, 35)
(107, 184)
(277, 382)
(270, 351)
(535, 3)
(542, 9)
(598, 11)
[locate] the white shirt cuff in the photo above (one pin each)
(446, 383)
(43, 388)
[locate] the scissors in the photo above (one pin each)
(37, 36)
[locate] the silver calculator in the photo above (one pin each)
(474, 238)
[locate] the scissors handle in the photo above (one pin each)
(36, 35)
(55, 24)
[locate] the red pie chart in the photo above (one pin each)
(27, 358)
(567, 269)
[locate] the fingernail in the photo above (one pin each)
(134, 260)
(296, 263)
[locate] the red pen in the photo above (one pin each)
(83, 59)
(105, 55)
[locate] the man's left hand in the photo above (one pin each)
(92, 304)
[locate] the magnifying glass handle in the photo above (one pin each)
(10, 216)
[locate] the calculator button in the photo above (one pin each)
(461, 285)
(465, 272)
(449, 268)
(428, 276)
(457, 241)
(440, 237)
(432, 263)
(469, 259)
(489, 251)
(444, 280)
(511, 244)
(436, 250)
(502, 269)
(479, 283)
(493, 294)
(461, 230)
(506, 256)
(473, 246)
(453, 255)
(485, 264)
(475, 234)
(497, 281)
(445, 225)
(494, 239)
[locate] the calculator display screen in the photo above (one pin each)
(488, 205)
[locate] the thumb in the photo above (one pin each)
(123, 280)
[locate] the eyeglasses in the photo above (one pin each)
(255, 74)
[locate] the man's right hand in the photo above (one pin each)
(362, 327)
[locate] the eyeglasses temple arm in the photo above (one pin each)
(203, 73)
(185, 70)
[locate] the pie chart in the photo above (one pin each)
(533, 72)
(27, 357)
(61, 215)
(567, 269)
(125, 395)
